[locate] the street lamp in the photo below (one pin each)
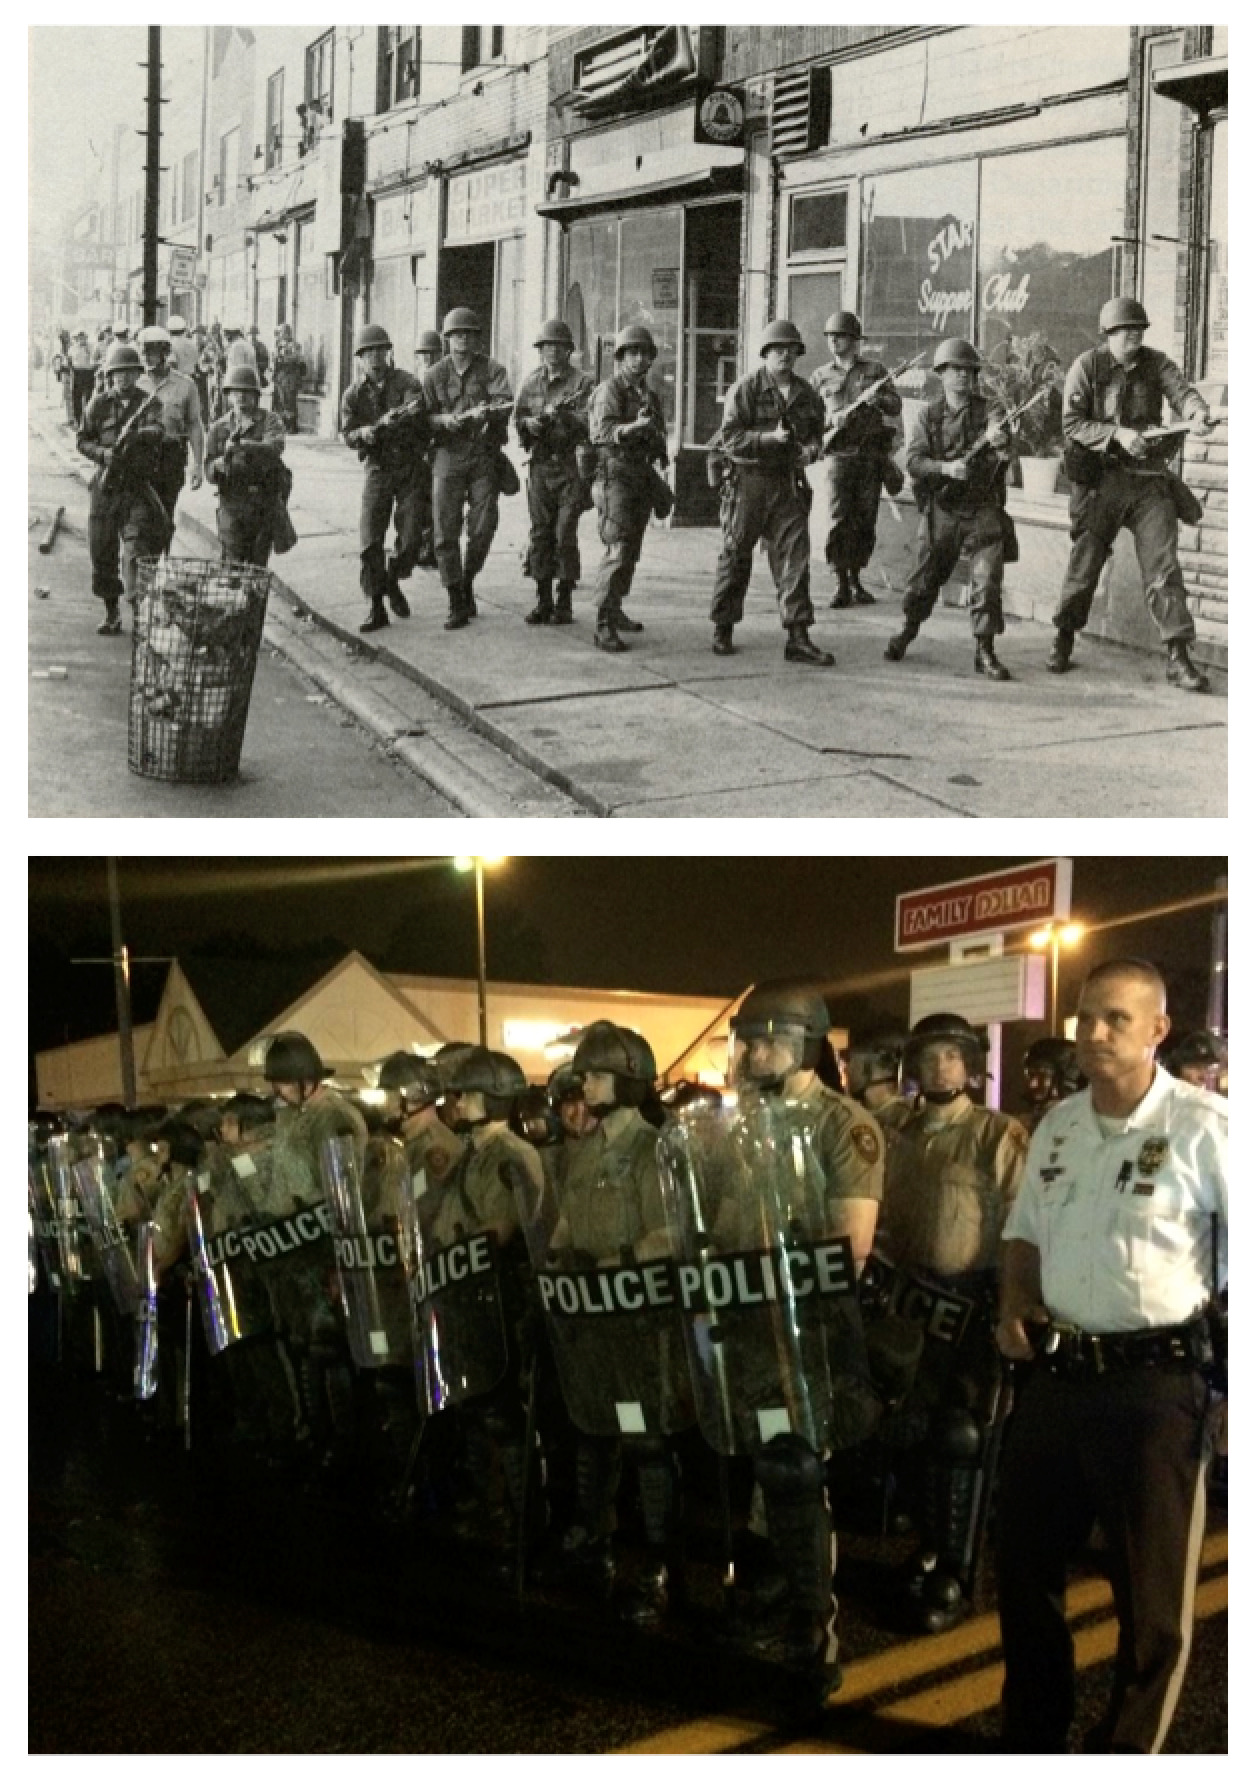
(1050, 939)
(477, 862)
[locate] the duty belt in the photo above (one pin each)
(1067, 1350)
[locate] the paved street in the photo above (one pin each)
(670, 730)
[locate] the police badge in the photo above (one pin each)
(1152, 1155)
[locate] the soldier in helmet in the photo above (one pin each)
(1051, 1073)
(428, 351)
(1114, 400)
(628, 431)
(953, 1169)
(426, 354)
(177, 417)
(958, 456)
(1199, 1058)
(121, 518)
(243, 459)
(859, 455)
(771, 430)
(393, 479)
(551, 422)
(468, 396)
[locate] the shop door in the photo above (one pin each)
(467, 278)
(712, 351)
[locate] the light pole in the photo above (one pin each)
(475, 862)
(1050, 939)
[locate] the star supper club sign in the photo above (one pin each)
(1024, 896)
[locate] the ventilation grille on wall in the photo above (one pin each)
(801, 112)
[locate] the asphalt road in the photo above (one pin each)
(179, 1605)
(302, 755)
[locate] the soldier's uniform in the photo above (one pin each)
(125, 521)
(766, 495)
(465, 475)
(393, 481)
(555, 492)
(957, 518)
(248, 483)
(857, 461)
(624, 489)
(178, 414)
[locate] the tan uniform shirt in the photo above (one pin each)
(298, 1139)
(611, 1195)
(950, 1184)
(481, 1191)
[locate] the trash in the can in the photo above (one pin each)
(315, 698)
(40, 674)
(58, 673)
(41, 593)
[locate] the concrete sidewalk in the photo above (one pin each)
(672, 730)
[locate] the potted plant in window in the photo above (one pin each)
(1018, 370)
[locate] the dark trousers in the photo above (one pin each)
(246, 529)
(942, 538)
(84, 383)
(624, 505)
(465, 493)
(1123, 1449)
(760, 504)
(555, 499)
(389, 488)
(1143, 505)
(855, 484)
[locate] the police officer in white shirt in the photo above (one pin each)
(1109, 1261)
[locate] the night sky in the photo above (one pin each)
(704, 926)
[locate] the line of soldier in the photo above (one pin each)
(595, 1187)
(605, 446)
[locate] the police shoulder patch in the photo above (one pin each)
(867, 1143)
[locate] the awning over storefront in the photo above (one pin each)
(1199, 85)
(706, 182)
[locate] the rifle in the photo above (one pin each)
(116, 466)
(548, 416)
(491, 409)
(948, 493)
(863, 400)
(396, 420)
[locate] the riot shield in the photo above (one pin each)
(286, 1236)
(614, 1327)
(145, 1375)
(234, 1304)
(95, 1180)
(72, 1237)
(768, 1299)
(456, 1301)
(366, 1208)
(43, 1211)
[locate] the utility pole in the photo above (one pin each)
(152, 178)
(121, 988)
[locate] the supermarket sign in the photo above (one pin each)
(1024, 896)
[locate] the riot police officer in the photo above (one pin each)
(1199, 1058)
(958, 457)
(392, 455)
(1114, 394)
(953, 1168)
(771, 431)
(859, 452)
(551, 422)
(413, 1088)
(1050, 1073)
(628, 431)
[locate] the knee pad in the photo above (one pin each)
(955, 1436)
(788, 1469)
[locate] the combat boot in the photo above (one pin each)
(936, 1599)
(111, 624)
(542, 613)
(645, 1601)
(801, 647)
(629, 625)
(987, 662)
(1180, 670)
(471, 604)
(378, 619)
(564, 613)
(722, 639)
(606, 638)
(458, 612)
(1062, 648)
(860, 594)
(397, 601)
(899, 643)
(843, 592)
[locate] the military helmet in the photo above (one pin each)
(178, 324)
(556, 333)
(1060, 1055)
(122, 358)
(615, 1050)
(946, 1028)
(883, 1048)
(461, 321)
(154, 337)
(479, 1071)
(781, 333)
(564, 1084)
(413, 1076)
(1123, 312)
(843, 322)
(1204, 1048)
(242, 377)
(372, 334)
(957, 352)
(430, 340)
(249, 1111)
(775, 1007)
(291, 1057)
(634, 335)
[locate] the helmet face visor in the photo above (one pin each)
(764, 1053)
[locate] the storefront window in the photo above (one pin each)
(1214, 358)
(819, 222)
(811, 297)
(591, 293)
(1161, 150)
(917, 235)
(1046, 248)
(624, 269)
(313, 316)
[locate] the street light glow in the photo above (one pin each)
(1072, 933)
(1041, 938)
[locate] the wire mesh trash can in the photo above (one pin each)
(197, 634)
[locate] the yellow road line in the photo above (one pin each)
(703, 1736)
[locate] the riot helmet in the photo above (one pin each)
(291, 1057)
(777, 1031)
(244, 1119)
(492, 1074)
(616, 1051)
(944, 1029)
(1051, 1070)
(1198, 1058)
(873, 1057)
(414, 1079)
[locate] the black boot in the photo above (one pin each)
(1062, 648)
(564, 613)
(987, 662)
(397, 601)
(471, 604)
(801, 647)
(629, 625)
(861, 595)
(722, 639)
(645, 1601)
(542, 613)
(899, 643)
(111, 624)
(378, 619)
(843, 592)
(1180, 670)
(458, 612)
(606, 636)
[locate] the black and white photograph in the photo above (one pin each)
(633, 421)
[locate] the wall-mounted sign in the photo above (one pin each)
(719, 118)
(1024, 896)
(182, 268)
(486, 203)
(665, 287)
